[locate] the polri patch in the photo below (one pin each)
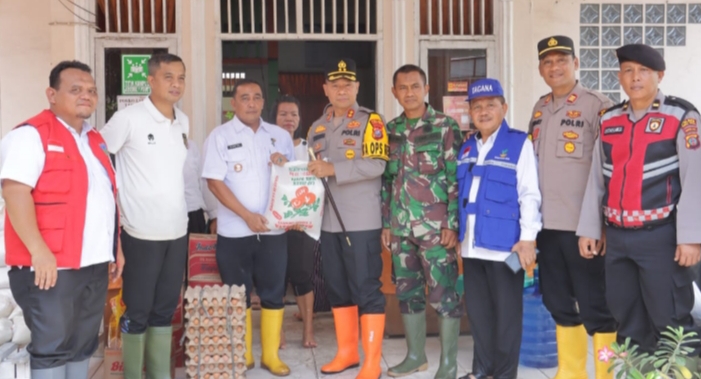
(570, 134)
(574, 114)
(654, 125)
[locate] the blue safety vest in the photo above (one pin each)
(496, 209)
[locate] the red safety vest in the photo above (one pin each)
(640, 163)
(60, 194)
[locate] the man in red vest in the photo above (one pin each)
(61, 225)
(646, 178)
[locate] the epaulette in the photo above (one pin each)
(542, 97)
(366, 110)
(613, 108)
(681, 103)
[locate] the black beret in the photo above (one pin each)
(643, 54)
(555, 43)
(341, 69)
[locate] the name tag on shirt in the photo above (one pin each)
(56, 148)
(234, 146)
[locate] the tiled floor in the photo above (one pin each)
(305, 363)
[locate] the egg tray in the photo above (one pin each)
(215, 332)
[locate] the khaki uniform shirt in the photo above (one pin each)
(563, 137)
(358, 148)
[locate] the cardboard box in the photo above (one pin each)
(202, 261)
(114, 365)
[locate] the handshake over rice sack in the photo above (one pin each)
(296, 199)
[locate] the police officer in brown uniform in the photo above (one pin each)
(352, 146)
(644, 184)
(564, 127)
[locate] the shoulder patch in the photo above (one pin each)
(375, 140)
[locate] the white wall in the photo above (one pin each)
(537, 19)
(25, 60)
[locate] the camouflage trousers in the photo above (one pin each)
(420, 262)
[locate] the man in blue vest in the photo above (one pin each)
(499, 214)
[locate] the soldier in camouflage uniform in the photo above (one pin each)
(419, 216)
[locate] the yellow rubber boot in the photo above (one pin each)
(602, 340)
(345, 320)
(372, 328)
(571, 352)
(270, 325)
(250, 362)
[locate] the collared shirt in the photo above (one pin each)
(23, 159)
(356, 185)
(528, 198)
(197, 194)
(150, 152)
(688, 210)
(240, 158)
(563, 136)
(419, 185)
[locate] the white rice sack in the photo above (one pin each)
(696, 311)
(16, 312)
(6, 306)
(296, 198)
(5, 330)
(21, 334)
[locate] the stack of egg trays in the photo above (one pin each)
(215, 332)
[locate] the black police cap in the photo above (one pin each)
(643, 54)
(341, 69)
(555, 44)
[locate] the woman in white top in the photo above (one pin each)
(300, 247)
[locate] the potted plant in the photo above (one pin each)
(671, 360)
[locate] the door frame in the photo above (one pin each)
(170, 43)
(490, 46)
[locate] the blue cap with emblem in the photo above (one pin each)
(484, 88)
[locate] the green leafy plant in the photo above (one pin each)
(671, 360)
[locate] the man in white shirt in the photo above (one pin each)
(237, 168)
(61, 226)
(499, 213)
(149, 140)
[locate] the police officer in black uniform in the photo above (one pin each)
(646, 177)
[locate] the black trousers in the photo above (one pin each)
(196, 222)
(153, 279)
(494, 302)
(353, 272)
(645, 288)
(574, 288)
(300, 262)
(259, 260)
(65, 320)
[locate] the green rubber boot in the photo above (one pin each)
(415, 361)
(158, 346)
(449, 332)
(133, 355)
